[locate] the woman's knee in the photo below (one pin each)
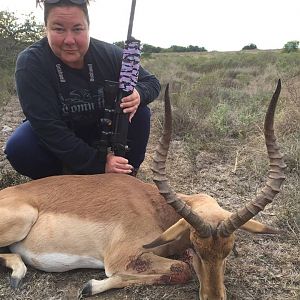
(27, 156)
(16, 143)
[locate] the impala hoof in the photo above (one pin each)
(87, 290)
(15, 282)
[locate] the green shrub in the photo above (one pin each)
(250, 47)
(291, 46)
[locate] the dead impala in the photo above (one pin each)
(66, 222)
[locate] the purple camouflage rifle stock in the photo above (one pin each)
(128, 79)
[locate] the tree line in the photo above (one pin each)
(147, 48)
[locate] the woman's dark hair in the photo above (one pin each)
(63, 3)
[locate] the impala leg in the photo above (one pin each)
(16, 220)
(15, 263)
(147, 269)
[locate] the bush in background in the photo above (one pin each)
(291, 46)
(15, 35)
(250, 47)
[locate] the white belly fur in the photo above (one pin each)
(56, 262)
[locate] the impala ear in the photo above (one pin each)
(257, 227)
(171, 234)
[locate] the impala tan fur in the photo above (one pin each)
(102, 221)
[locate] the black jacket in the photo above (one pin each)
(40, 93)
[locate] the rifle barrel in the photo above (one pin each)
(129, 33)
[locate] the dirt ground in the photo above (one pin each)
(266, 267)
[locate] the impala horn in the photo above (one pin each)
(274, 180)
(161, 181)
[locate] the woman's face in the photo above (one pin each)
(68, 35)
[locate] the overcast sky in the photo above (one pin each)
(221, 25)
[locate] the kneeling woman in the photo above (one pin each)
(60, 81)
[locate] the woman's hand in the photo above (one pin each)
(117, 164)
(131, 103)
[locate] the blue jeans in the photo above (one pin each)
(28, 157)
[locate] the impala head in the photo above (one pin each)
(212, 228)
(209, 264)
